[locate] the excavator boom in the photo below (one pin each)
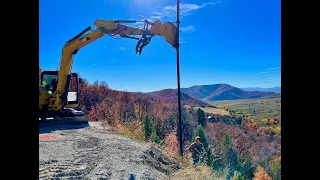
(58, 100)
(112, 28)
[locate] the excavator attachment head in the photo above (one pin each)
(143, 41)
(167, 30)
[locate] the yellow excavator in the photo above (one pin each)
(59, 90)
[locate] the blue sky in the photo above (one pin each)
(227, 41)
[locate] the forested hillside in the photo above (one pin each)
(236, 146)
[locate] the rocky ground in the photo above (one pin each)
(99, 152)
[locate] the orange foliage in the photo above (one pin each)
(266, 130)
(261, 174)
(171, 144)
(253, 126)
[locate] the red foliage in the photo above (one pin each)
(40, 71)
(258, 147)
(276, 121)
(102, 103)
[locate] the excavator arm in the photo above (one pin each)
(112, 28)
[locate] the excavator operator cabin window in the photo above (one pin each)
(49, 81)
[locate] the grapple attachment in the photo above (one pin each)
(143, 41)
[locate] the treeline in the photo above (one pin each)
(236, 147)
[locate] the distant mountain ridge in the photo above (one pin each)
(169, 96)
(222, 92)
(273, 89)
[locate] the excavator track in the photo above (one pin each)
(63, 123)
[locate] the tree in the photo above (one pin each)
(201, 117)
(188, 126)
(229, 155)
(247, 169)
(261, 174)
(276, 169)
(147, 127)
(237, 176)
(171, 144)
(278, 129)
(40, 71)
(264, 120)
(199, 132)
(154, 135)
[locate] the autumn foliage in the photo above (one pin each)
(171, 143)
(261, 174)
(153, 118)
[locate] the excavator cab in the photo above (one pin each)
(72, 88)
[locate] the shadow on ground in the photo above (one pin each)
(131, 177)
(43, 130)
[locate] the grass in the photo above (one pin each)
(190, 173)
(256, 108)
(133, 131)
(210, 110)
(215, 111)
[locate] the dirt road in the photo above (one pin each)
(98, 152)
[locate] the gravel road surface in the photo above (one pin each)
(98, 152)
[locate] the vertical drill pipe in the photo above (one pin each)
(178, 76)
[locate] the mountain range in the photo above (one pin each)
(169, 96)
(274, 89)
(223, 92)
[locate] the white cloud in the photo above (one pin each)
(273, 68)
(169, 12)
(185, 8)
(155, 17)
(276, 78)
(265, 71)
(262, 72)
(122, 48)
(126, 86)
(189, 28)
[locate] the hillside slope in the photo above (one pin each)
(222, 92)
(170, 96)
